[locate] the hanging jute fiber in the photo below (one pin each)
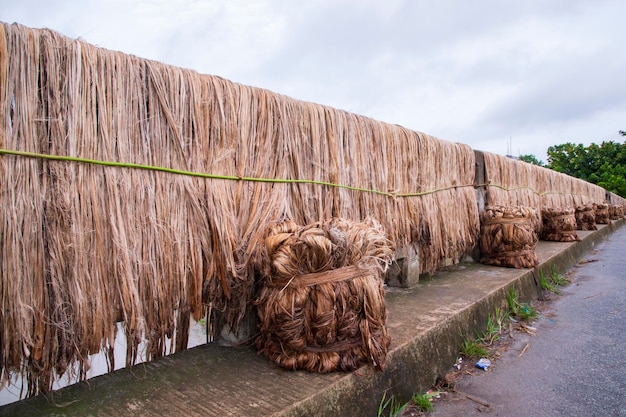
(104, 230)
(559, 224)
(508, 237)
(134, 196)
(602, 213)
(616, 211)
(321, 304)
(515, 183)
(586, 217)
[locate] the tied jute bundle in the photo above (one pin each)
(559, 225)
(602, 214)
(586, 217)
(321, 306)
(508, 237)
(616, 211)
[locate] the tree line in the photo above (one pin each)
(603, 164)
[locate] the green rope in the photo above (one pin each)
(216, 176)
(251, 179)
(530, 189)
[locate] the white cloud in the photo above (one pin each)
(540, 72)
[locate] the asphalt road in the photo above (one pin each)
(574, 365)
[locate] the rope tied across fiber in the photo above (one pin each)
(321, 305)
(508, 237)
(602, 213)
(559, 224)
(585, 217)
(616, 211)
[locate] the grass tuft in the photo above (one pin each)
(423, 402)
(391, 406)
(473, 349)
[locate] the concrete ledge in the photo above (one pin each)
(427, 325)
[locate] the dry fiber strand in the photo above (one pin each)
(616, 211)
(559, 224)
(321, 304)
(515, 183)
(602, 213)
(508, 237)
(586, 217)
(512, 184)
(85, 246)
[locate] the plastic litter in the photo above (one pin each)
(458, 363)
(483, 364)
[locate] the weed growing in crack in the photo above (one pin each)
(557, 279)
(548, 285)
(522, 311)
(423, 401)
(391, 406)
(491, 334)
(473, 349)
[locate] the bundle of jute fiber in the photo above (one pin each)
(321, 305)
(602, 213)
(508, 237)
(559, 224)
(616, 211)
(586, 217)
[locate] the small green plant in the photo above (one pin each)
(391, 406)
(473, 349)
(493, 330)
(523, 311)
(423, 401)
(548, 285)
(491, 334)
(527, 312)
(502, 318)
(552, 282)
(556, 278)
(512, 301)
(382, 405)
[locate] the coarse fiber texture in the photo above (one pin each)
(508, 237)
(616, 211)
(586, 217)
(559, 225)
(602, 213)
(515, 183)
(321, 304)
(85, 246)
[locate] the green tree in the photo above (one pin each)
(531, 159)
(603, 164)
(612, 178)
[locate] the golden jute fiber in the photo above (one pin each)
(514, 183)
(508, 237)
(87, 246)
(84, 247)
(602, 213)
(616, 211)
(321, 305)
(559, 224)
(586, 217)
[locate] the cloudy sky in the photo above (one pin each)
(497, 75)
